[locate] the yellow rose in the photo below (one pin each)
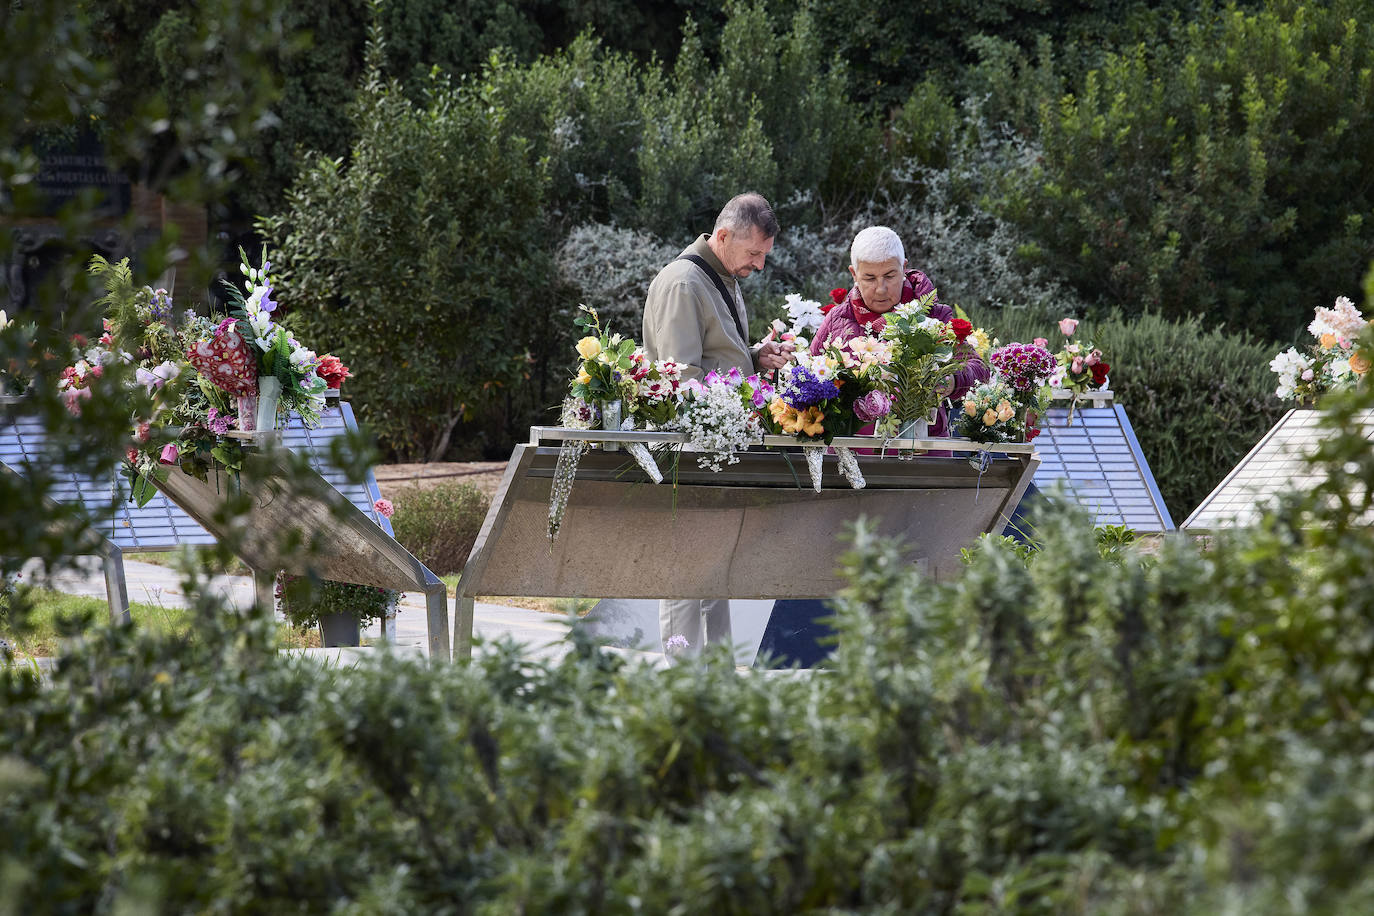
(971, 408)
(1359, 362)
(1005, 411)
(588, 347)
(582, 377)
(989, 417)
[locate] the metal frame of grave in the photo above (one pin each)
(163, 525)
(337, 540)
(757, 529)
(1276, 464)
(1096, 456)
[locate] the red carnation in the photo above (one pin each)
(838, 295)
(1100, 373)
(961, 328)
(1031, 433)
(333, 371)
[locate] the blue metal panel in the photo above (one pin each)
(1098, 459)
(160, 525)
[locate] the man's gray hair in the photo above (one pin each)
(746, 212)
(875, 245)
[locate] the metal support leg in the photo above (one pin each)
(265, 589)
(436, 610)
(116, 589)
(462, 637)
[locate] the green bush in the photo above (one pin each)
(304, 601)
(403, 260)
(439, 525)
(1062, 729)
(1217, 168)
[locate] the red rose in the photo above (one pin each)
(1100, 373)
(838, 295)
(961, 328)
(1031, 433)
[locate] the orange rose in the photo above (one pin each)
(1359, 362)
(1328, 341)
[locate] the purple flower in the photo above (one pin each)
(734, 377)
(218, 423)
(873, 406)
(803, 389)
(712, 378)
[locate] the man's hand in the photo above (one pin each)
(775, 355)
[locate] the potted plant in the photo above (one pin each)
(339, 609)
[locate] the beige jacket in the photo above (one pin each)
(685, 319)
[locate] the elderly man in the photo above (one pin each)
(695, 315)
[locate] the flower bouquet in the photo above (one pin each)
(184, 400)
(256, 359)
(926, 352)
(1332, 364)
(1026, 370)
(990, 414)
(1080, 366)
(720, 415)
(652, 392)
(604, 367)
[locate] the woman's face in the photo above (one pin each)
(879, 283)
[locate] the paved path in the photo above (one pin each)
(543, 635)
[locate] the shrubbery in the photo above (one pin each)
(1069, 729)
(440, 524)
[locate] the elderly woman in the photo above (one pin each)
(877, 262)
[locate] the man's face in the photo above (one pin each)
(742, 253)
(880, 283)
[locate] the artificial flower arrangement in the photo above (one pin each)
(926, 352)
(604, 360)
(833, 393)
(720, 415)
(191, 373)
(1333, 363)
(990, 414)
(1025, 369)
(1081, 366)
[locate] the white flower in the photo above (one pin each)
(1344, 321)
(4, 320)
(301, 358)
(804, 314)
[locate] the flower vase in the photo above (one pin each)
(610, 419)
(248, 412)
(915, 429)
(339, 630)
(269, 395)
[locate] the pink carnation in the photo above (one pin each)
(384, 508)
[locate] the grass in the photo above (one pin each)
(56, 614)
(203, 558)
(559, 606)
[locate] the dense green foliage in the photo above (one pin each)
(403, 262)
(1218, 168)
(439, 524)
(1074, 728)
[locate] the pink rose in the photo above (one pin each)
(1041, 342)
(1092, 359)
(384, 508)
(169, 455)
(1067, 326)
(1077, 365)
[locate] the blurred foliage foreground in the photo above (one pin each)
(1068, 727)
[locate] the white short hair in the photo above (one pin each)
(875, 245)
